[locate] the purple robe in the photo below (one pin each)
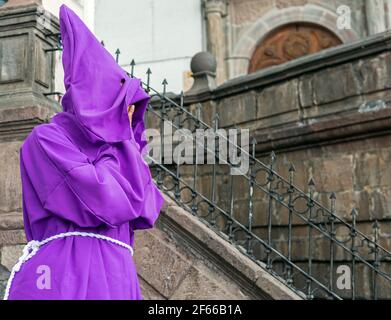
(84, 171)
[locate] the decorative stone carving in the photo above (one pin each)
(215, 11)
(375, 15)
(291, 42)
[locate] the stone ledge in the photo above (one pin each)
(226, 255)
(16, 123)
(330, 57)
(26, 14)
(349, 127)
(27, 112)
(11, 221)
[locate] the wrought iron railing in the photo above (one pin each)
(306, 250)
(355, 250)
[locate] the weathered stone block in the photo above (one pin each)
(348, 200)
(197, 285)
(148, 292)
(4, 275)
(366, 169)
(334, 84)
(237, 109)
(43, 65)
(334, 174)
(279, 99)
(375, 73)
(10, 185)
(159, 264)
(384, 167)
(380, 204)
(12, 237)
(13, 52)
(11, 221)
(10, 255)
(305, 91)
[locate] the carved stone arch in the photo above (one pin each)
(276, 18)
(289, 42)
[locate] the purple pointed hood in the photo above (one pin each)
(98, 90)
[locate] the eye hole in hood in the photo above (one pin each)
(98, 90)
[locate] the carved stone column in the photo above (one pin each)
(376, 17)
(215, 11)
(388, 13)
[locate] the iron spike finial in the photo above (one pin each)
(182, 98)
(333, 196)
(354, 213)
(216, 121)
(253, 144)
(291, 171)
(273, 156)
(376, 230)
(199, 111)
(149, 72)
(132, 64)
(311, 182)
(117, 53)
(164, 83)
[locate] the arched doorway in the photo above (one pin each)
(289, 42)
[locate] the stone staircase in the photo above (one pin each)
(334, 131)
(180, 259)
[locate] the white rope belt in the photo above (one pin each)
(33, 246)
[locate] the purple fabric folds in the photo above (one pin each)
(84, 171)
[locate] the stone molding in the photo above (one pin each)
(375, 44)
(245, 46)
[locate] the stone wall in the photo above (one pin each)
(329, 115)
(183, 259)
(235, 28)
(180, 259)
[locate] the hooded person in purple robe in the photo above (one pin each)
(86, 187)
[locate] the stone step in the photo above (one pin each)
(182, 258)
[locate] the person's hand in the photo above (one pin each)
(130, 113)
